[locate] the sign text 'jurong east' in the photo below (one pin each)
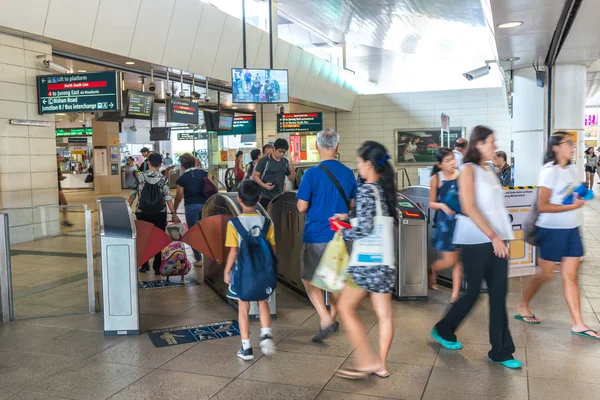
(305, 122)
(89, 92)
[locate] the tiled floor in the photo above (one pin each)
(69, 358)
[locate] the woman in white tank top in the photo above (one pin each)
(482, 232)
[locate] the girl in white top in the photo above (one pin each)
(482, 232)
(557, 232)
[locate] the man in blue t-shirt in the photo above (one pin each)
(320, 198)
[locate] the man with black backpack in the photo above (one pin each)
(152, 190)
(325, 190)
(270, 172)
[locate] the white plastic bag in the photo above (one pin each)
(378, 247)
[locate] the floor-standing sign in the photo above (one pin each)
(522, 256)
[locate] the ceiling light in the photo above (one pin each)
(509, 24)
(511, 58)
(60, 114)
(81, 70)
(139, 81)
(130, 62)
(234, 108)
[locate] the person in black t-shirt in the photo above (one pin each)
(190, 189)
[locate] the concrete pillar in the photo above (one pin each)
(568, 109)
(529, 139)
(107, 174)
(27, 153)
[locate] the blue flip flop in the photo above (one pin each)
(510, 364)
(522, 318)
(586, 334)
(445, 343)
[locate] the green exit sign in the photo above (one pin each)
(74, 132)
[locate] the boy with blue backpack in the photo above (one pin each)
(251, 269)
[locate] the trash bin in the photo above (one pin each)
(411, 281)
(119, 267)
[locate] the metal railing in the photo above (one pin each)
(402, 178)
(220, 185)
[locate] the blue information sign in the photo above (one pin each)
(89, 92)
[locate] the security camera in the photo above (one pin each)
(477, 73)
(168, 92)
(55, 67)
(195, 95)
(207, 99)
(152, 87)
(182, 94)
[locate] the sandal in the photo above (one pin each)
(354, 374)
(524, 318)
(586, 334)
(382, 374)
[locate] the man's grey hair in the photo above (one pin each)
(328, 139)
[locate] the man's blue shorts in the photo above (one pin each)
(554, 244)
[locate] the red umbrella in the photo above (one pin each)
(208, 236)
(149, 241)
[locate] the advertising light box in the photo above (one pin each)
(182, 111)
(88, 92)
(300, 122)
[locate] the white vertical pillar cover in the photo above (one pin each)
(527, 127)
(569, 105)
(274, 20)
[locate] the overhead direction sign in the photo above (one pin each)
(242, 125)
(300, 122)
(88, 92)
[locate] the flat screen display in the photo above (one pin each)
(300, 122)
(139, 105)
(211, 121)
(161, 133)
(225, 121)
(182, 111)
(259, 85)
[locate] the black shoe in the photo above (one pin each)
(323, 333)
(144, 269)
(245, 355)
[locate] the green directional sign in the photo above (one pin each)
(74, 132)
(89, 92)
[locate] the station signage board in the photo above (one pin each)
(140, 105)
(182, 111)
(74, 132)
(242, 125)
(300, 122)
(187, 135)
(87, 92)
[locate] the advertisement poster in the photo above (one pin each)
(522, 256)
(312, 155)
(100, 162)
(115, 154)
(420, 145)
(573, 135)
(295, 152)
(591, 129)
(114, 169)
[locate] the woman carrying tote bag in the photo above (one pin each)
(371, 270)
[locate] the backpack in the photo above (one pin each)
(255, 272)
(152, 200)
(286, 162)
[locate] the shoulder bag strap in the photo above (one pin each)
(262, 176)
(239, 227)
(336, 183)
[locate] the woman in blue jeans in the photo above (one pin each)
(190, 188)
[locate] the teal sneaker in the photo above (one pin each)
(445, 343)
(511, 364)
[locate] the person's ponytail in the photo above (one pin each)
(436, 169)
(389, 189)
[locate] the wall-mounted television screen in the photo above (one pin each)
(139, 105)
(160, 133)
(259, 85)
(225, 121)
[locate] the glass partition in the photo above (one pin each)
(51, 260)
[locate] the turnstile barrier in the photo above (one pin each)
(119, 267)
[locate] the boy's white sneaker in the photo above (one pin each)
(245, 355)
(267, 345)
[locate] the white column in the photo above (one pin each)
(274, 20)
(527, 127)
(569, 105)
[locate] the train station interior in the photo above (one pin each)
(89, 88)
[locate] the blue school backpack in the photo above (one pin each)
(255, 272)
